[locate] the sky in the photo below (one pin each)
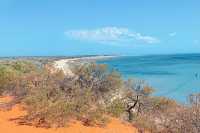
(88, 27)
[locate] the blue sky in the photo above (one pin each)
(78, 27)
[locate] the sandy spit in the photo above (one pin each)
(64, 64)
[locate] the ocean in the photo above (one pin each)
(173, 76)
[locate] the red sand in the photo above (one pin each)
(9, 126)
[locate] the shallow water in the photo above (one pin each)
(173, 76)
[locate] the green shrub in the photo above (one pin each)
(48, 107)
(23, 66)
(116, 108)
(99, 79)
(7, 78)
(56, 98)
(11, 74)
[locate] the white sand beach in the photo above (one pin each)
(64, 64)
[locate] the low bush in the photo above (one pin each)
(52, 98)
(46, 110)
(116, 108)
(7, 78)
(12, 74)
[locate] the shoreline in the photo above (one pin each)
(65, 64)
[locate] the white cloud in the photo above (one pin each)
(110, 35)
(172, 34)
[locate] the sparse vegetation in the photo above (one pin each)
(116, 108)
(93, 94)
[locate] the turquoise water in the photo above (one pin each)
(173, 76)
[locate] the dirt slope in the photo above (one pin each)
(8, 125)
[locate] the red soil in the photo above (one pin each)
(7, 125)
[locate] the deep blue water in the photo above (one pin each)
(173, 76)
